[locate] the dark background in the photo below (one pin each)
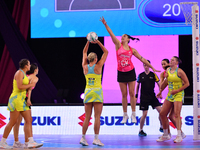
(61, 58)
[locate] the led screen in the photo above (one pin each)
(76, 18)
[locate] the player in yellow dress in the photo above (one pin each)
(93, 90)
(17, 104)
(177, 81)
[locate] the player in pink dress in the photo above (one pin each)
(126, 70)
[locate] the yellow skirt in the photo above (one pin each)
(93, 95)
(17, 101)
(178, 97)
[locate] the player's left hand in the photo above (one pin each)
(173, 92)
(28, 103)
(159, 95)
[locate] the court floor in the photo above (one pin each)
(112, 142)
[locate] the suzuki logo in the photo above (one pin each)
(2, 123)
(196, 11)
(197, 38)
(82, 118)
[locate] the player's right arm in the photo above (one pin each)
(114, 39)
(105, 53)
(84, 61)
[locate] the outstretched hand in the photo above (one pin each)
(154, 70)
(103, 20)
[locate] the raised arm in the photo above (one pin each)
(143, 60)
(105, 53)
(114, 39)
(85, 50)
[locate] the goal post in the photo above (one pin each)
(191, 14)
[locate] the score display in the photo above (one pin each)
(164, 13)
(76, 18)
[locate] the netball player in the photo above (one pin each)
(126, 70)
(93, 90)
(177, 81)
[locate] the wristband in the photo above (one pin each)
(136, 95)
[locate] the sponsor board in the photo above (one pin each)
(69, 119)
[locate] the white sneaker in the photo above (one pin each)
(178, 139)
(34, 144)
(125, 118)
(5, 145)
(183, 135)
(163, 138)
(83, 142)
(97, 142)
(17, 145)
(133, 118)
(25, 145)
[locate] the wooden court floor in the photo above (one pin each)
(112, 142)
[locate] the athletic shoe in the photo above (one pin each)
(5, 145)
(183, 135)
(133, 118)
(163, 138)
(161, 129)
(18, 145)
(97, 142)
(34, 144)
(25, 145)
(125, 118)
(142, 133)
(178, 139)
(83, 142)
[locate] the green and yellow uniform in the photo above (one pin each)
(17, 97)
(93, 90)
(174, 83)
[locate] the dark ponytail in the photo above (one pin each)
(132, 38)
(178, 59)
(32, 69)
(167, 60)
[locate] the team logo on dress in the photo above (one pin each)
(124, 63)
(2, 123)
(82, 118)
